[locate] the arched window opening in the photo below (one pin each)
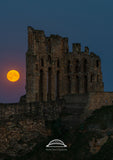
(97, 63)
(68, 67)
(41, 86)
(77, 67)
(85, 66)
(58, 64)
(85, 84)
(69, 84)
(42, 62)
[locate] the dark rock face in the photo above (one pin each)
(21, 132)
(19, 136)
(22, 126)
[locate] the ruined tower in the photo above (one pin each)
(52, 71)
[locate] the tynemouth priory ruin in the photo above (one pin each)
(59, 85)
(53, 71)
(54, 74)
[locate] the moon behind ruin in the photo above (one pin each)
(13, 75)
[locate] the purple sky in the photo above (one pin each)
(87, 22)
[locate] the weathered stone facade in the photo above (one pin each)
(52, 71)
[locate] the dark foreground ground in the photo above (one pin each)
(92, 140)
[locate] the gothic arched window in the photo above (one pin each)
(85, 84)
(97, 63)
(77, 66)
(58, 63)
(69, 84)
(68, 67)
(85, 65)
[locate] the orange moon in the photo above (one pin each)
(13, 75)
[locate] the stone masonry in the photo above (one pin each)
(53, 72)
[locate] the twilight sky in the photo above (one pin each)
(89, 22)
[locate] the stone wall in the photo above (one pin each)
(98, 99)
(53, 109)
(13, 109)
(48, 110)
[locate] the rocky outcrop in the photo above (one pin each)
(96, 144)
(19, 137)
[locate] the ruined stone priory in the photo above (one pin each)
(60, 85)
(53, 72)
(59, 81)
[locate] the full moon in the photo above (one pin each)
(13, 75)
